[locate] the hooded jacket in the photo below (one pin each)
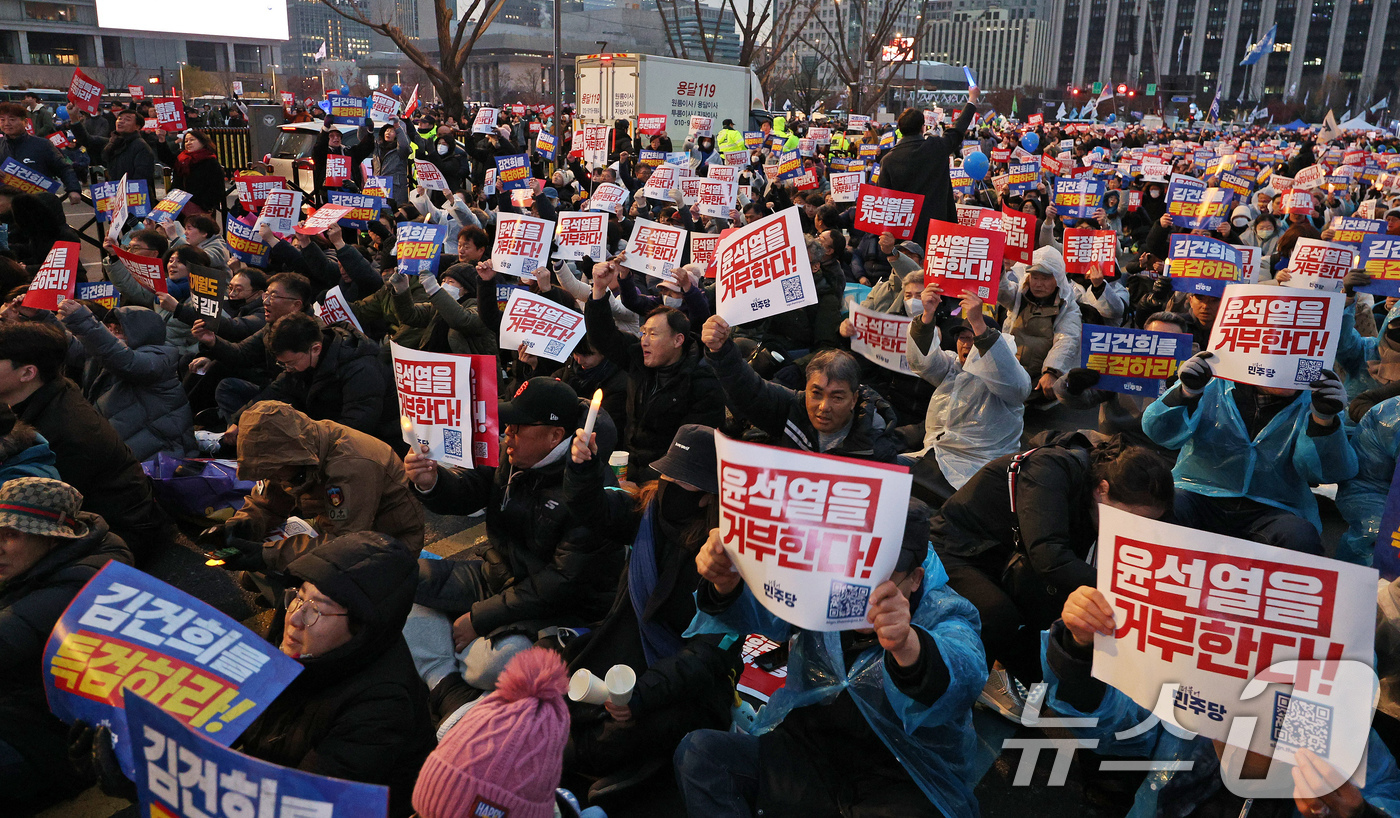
(1064, 345)
(131, 156)
(358, 712)
(349, 385)
(25, 453)
(1361, 500)
(356, 483)
(135, 384)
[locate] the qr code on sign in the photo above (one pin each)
(451, 443)
(1309, 370)
(1302, 724)
(846, 601)
(792, 289)
(554, 347)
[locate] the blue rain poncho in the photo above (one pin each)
(1361, 500)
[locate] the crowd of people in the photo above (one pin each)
(445, 679)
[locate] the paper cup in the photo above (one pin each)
(618, 462)
(587, 688)
(619, 681)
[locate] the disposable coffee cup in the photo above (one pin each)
(587, 688)
(618, 462)
(620, 681)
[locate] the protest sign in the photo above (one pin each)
(418, 247)
(880, 337)
(654, 249)
(820, 135)
(702, 249)
(724, 173)
(806, 180)
(690, 190)
(98, 292)
(384, 107)
(1085, 250)
(281, 211)
(289, 100)
(961, 182)
(521, 246)
(363, 209)
(1380, 258)
(137, 92)
(1318, 265)
(318, 221)
(581, 235)
(429, 176)
(149, 271)
(253, 189)
(1018, 228)
(544, 145)
(856, 123)
(962, 259)
(845, 187)
(607, 197)
(1386, 552)
(974, 216)
(702, 125)
(1194, 206)
(61, 139)
(337, 169)
(179, 774)
(207, 289)
(1351, 230)
(807, 146)
(119, 209)
(661, 182)
(1236, 184)
(1275, 336)
(716, 198)
(1078, 198)
(448, 403)
(243, 242)
(55, 279)
(1203, 265)
(170, 113)
(1035, 120)
(485, 121)
(596, 138)
(105, 199)
(1023, 176)
(789, 166)
(762, 269)
(170, 207)
(488, 184)
(879, 210)
(128, 630)
(650, 124)
(346, 110)
(650, 158)
(1001, 155)
(543, 326)
(334, 308)
(812, 535)
(22, 178)
(1133, 361)
(1309, 177)
(513, 172)
(85, 92)
(753, 139)
(1206, 615)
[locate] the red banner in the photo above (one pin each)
(56, 279)
(1020, 234)
(649, 124)
(84, 92)
(1086, 249)
(337, 169)
(963, 259)
(879, 210)
(170, 113)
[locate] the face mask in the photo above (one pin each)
(678, 504)
(1265, 232)
(453, 290)
(1155, 193)
(1240, 223)
(913, 307)
(671, 302)
(442, 150)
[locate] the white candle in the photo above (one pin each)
(410, 428)
(592, 414)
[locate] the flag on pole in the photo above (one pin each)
(1106, 96)
(1060, 114)
(412, 104)
(321, 52)
(1257, 51)
(1213, 115)
(1384, 103)
(1330, 130)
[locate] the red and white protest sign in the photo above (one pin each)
(1319, 265)
(281, 211)
(148, 271)
(1035, 120)
(762, 269)
(690, 190)
(702, 250)
(334, 308)
(654, 249)
(170, 113)
(137, 92)
(1087, 249)
(60, 139)
(845, 517)
(448, 403)
(716, 198)
(289, 100)
(661, 182)
(1297, 202)
(328, 215)
(337, 169)
(596, 138)
(521, 246)
(1019, 230)
(581, 235)
(253, 189)
(607, 197)
(887, 211)
(383, 108)
(545, 328)
(880, 337)
(56, 279)
(1205, 615)
(429, 176)
(962, 259)
(1275, 336)
(485, 121)
(84, 92)
(980, 217)
(702, 125)
(1310, 177)
(651, 124)
(845, 187)
(724, 173)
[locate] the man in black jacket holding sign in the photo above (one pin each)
(919, 164)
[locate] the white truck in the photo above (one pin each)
(609, 87)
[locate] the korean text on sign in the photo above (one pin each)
(654, 249)
(1087, 249)
(521, 246)
(1133, 361)
(880, 211)
(1275, 336)
(1204, 265)
(439, 394)
(127, 629)
(56, 279)
(963, 259)
(880, 338)
(762, 269)
(1380, 258)
(1078, 198)
(545, 328)
(581, 235)
(418, 247)
(812, 535)
(1318, 265)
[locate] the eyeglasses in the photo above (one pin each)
(290, 366)
(313, 614)
(275, 297)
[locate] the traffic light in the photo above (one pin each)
(1122, 88)
(1132, 92)
(1074, 92)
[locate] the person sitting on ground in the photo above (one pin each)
(1043, 317)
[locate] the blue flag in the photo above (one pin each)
(1257, 51)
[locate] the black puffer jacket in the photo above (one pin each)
(135, 384)
(30, 605)
(358, 712)
(540, 567)
(350, 385)
(659, 400)
(919, 164)
(781, 413)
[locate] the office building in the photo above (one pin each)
(1006, 47)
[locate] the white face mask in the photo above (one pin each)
(671, 302)
(913, 307)
(453, 290)
(442, 150)
(1155, 193)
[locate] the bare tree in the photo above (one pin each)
(852, 43)
(801, 80)
(454, 43)
(767, 32)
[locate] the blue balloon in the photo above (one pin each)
(344, 89)
(976, 165)
(1030, 142)
(396, 89)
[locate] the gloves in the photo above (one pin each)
(1355, 278)
(399, 282)
(90, 752)
(1329, 397)
(231, 544)
(430, 283)
(1078, 380)
(1195, 373)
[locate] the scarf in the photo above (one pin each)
(186, 159)
(117, 143)
(658, 642)
(1387, 369)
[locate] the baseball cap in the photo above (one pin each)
(551, 193)
(691, 458)
(542, 402)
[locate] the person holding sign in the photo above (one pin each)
(35, 152)
(48, 550)
(823, 739)
(1042, 315)
(919, 164)
(197, 171)
(331, 153)
(977, 408)
(1249, 454)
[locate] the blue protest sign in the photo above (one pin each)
(363, 209)
(103, 292)
(127, 629)
(513, 172)
(170, 206)
(346, 110)
(243, 243)
(1203, 265)
(1133, 361)
(1386, 555)
(138, 198)
(22, 178)
(1194, 206)
(182, 773)
(1079, 197)
(419, 246)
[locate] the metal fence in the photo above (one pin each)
(234, 147)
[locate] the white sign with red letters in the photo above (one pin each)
(521, 246)
(880, 338)
(1319, 265)
(335, 308)
(762, 269)
(654, 249)
(581, 235)
(845, 186)
(543, 326)
(1275, 336)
